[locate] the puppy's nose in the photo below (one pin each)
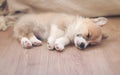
(82, 45)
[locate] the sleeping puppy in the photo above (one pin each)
(58, 30)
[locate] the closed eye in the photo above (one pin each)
(88, 36)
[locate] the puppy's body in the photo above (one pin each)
(58, 29)
(41, 24)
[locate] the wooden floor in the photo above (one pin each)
(103, 59)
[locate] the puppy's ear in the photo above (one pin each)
(100, 21)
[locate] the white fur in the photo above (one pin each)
(58, 29)
(61, 42)
(35, 41)
(26, 43)
(79, 40)
(55, 33)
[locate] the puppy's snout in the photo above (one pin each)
(82, 45)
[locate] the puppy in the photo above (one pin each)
(59, 30)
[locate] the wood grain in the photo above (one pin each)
(103, 59)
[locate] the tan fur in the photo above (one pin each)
(53, 26)
(93, 29)
(40, 22)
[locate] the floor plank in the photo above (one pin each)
(103, 59)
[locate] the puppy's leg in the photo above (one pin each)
(34, 40)
(21, 35)
(30, 40)
(27, 39)
(61, 42)
(25, 42)
(55, 33)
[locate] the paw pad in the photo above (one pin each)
(59, 47)
(37, 43)
(50, 46)
(26, 44)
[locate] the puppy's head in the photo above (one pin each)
(88, 32)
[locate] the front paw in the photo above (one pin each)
(50, 45)
(35, 41)
(26, 43)
(59, 46)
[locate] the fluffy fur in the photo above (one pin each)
(59, 30)
(2, 23)
(6, 21)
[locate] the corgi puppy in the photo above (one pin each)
(58, 30)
